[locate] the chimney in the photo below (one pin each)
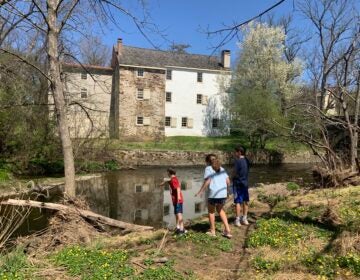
(225, 58)
(119, 46)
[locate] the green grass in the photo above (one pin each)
(14, 265)
(207, 244)
(94, 263)
(276, 232)
(4, 175)
(194, 143)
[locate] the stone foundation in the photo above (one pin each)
(129, 158)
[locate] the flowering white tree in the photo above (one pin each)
(264, 80)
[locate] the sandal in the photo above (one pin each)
(227, 234)
(212, 234)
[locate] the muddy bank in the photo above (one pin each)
(187, 158)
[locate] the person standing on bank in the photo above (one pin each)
(177, 199)
(217, 180)
(241, 186)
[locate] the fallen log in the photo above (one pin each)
(83, 213)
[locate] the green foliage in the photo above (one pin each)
(163, 272)
(321, 264)
(210, 244)
(4, 175)
(277, 232)
(94, 263)
(291, 186)
(262, 264)
(350, 261)
(271, 199)
(14, 265)
(349, 211)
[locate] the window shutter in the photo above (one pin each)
(146, 94)
(190, 123)
(173, 122)
(204, 100)
(146, 120)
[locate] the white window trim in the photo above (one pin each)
(137, 94)
(136, 121)
(137, 72)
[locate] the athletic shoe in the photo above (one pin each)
(244, 222)
(237, 223)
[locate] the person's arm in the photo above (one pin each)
(178, 194)
(204, 186)
(228, 186)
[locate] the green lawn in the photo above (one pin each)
(193, 143)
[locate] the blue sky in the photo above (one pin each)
(182, 21)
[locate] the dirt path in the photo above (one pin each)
(223, 265)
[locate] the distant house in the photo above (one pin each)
(148, 94)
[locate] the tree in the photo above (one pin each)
(94, 52)
(179, 48)
(57, 21)
(261, 83)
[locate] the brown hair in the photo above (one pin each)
(171, 171)
(209, 158)
(216, 165)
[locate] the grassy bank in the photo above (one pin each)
(317, 240)
(193, 143)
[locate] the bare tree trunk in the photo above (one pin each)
(56, 87)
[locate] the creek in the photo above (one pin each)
(135, 195)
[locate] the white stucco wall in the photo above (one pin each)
(184, 88)
(97, 103)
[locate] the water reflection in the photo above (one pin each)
(135, 195)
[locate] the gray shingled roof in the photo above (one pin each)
(155, 58)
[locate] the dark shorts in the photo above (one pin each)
(214, 201)
(241, 194)
(178, 208)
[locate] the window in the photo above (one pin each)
(215, 123)
(167, 121)
(184, 122)
(140, 120)
(140, 93)
(138, 188)
(199, 77)
(187, 122)
(199, 99)
(168, 96)
(140, 72)
(83, 93)
(168, 75)
(138, 214)
(166, 209)
(83, 76)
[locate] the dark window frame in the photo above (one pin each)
(167, 121)
(199, 77)
(168, 74)
(168, 96)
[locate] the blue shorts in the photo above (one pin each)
(214, 201)
(178, 208)
(241, 194)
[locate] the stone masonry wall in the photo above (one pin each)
(130, 106)
(128, 158)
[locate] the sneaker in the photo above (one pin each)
(237, 223)
(181, 232)
(227, 234)
(244, 222)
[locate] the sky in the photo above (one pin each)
(184, 21)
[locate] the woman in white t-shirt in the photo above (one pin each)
(217, 180)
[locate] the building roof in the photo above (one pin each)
(73, 67)
(156, 58)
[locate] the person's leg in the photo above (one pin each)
(238, 213)
(245, 208)
(222, 214)
(211, 211)
(180, 221)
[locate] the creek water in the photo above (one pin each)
(135, 196)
